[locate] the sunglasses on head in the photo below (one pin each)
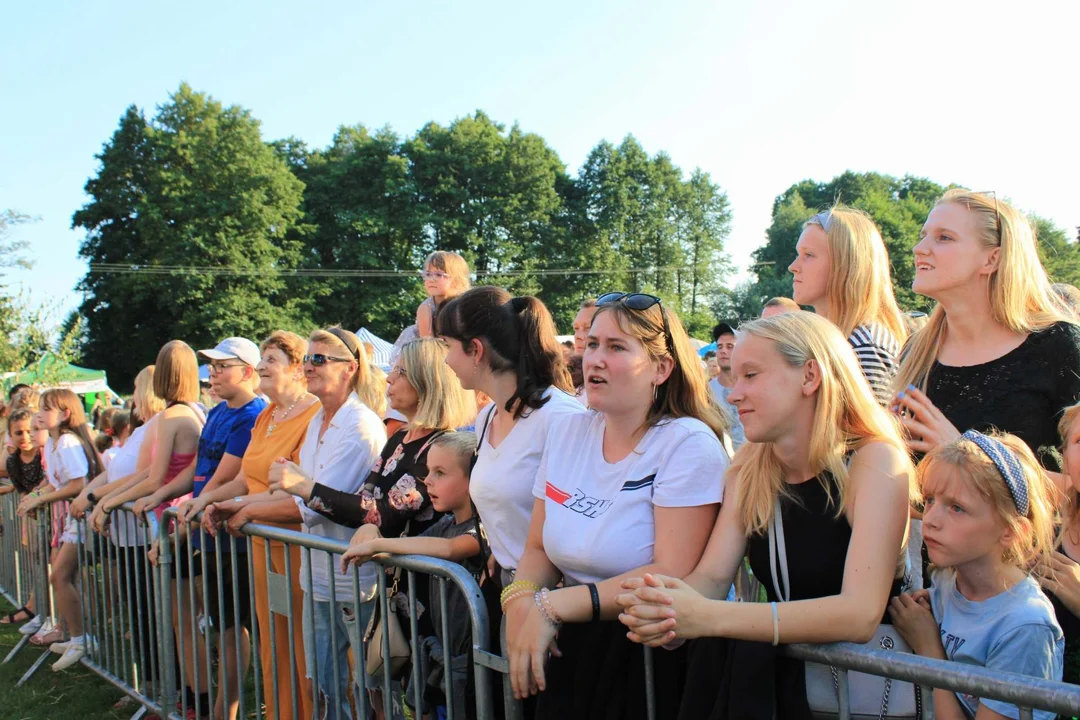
(639, 301)
(318, 359)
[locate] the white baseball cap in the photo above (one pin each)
(235, 347)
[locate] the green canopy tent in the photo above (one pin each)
(52, 372)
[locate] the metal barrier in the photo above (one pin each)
(24, 568)
(150, 628)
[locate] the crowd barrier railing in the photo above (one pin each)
(24, 568)
(169, 625)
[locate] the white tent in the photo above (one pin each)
(382, 348)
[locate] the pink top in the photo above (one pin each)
(177, 463)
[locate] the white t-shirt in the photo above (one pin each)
(342, 460)
(599, 515)
(108, 455)
(502, 481)
(126, 530)
(65, 459)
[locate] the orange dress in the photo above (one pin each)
(284, 441)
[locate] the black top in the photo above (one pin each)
(816, 540)
(393, 494)
(1022, 392)
(25, 476)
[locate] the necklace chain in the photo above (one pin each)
(273, 415)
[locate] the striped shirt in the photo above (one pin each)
(877, 351)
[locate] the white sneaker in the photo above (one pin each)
(72, 655)
(46, 627)
(61, 647)
(33, 626)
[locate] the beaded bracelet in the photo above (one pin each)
(546, 611)
(507, 599)
(515, 587)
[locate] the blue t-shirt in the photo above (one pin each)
(1014, 631)
(227, 430)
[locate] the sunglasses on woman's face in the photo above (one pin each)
(318, 359)
(639, 301)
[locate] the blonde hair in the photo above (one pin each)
(363, 383)
(28, 398)
(1019, 290)
(847, 416)
(686, 391)
(859, 288)
(64, 399)
(287, 342)
(453, 265)
(1034, 533)
(1068, 417)
(444, 404)
(147, 403)
(176, 373)
(461, 444)
(374, 394)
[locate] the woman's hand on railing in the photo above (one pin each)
(143, 505)
(239, 519)
(914, 620)
(215, 515)
(661, 609)
(287, 475)
(191, 507)
(528, 647)
(80, 505)
(29, 504)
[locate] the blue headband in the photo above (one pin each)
(1008, 465)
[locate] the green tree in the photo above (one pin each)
(1059, 256)
(191, 189)
(12, 254)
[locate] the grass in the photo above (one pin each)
(74, 693)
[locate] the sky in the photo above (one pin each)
(758, 94)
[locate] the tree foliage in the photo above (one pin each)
(193, 187)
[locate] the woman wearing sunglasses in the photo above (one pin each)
(632, 488)
(392, 500)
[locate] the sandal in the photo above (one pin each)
(11, 619)
(56, 635)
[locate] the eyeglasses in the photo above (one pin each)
(218, 368)
(397, 372)
(433, 275)
(640, 301)
(318, 359)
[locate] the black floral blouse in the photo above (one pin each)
(393, 495)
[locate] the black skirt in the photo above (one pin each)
(601, 676)
(741, 680)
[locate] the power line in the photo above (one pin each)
(222, 270)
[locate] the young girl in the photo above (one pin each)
(446, 275)
(988, 519)
(842, 271)
(827, 463)
(70, 458)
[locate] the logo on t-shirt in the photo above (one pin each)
(587, 505)
(951, 643)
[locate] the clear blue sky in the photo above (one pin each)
(760, 95)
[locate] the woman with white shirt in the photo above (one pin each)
(342, 442)
(633, 487)
(506, 348)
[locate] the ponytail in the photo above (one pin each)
(518, 335)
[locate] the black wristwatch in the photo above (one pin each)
(91, 498)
